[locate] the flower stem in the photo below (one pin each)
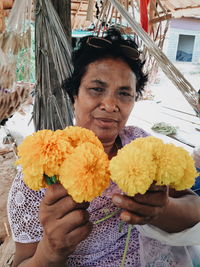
(130, 226)
(121, 225)
(50, 180)
(107, 217)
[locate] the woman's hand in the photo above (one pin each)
(65, 223)
(143, 209)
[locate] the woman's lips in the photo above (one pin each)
(106, 122)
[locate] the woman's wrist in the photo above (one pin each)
(47, 256)
(44, 256)
(178, 215)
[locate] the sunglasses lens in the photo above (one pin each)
(99, 42)
(130, 52)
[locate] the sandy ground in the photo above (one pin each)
(164, 93)
(166, 96)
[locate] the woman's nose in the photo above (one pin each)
(109, 104)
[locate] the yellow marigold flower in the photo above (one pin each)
(34, 180)
(151, 143)
(85, 173)
(188, 170)
(171, 166)
(77, 135)
(148, 159)
(132, 169)
(42, 153)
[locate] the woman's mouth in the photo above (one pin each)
(106, 122)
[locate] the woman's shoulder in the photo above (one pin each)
(130, 133)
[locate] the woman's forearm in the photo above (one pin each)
(37, 255)
(180, 214)
(42, 259)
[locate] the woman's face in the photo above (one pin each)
(106, 97)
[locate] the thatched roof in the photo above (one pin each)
(181, 8)
(165, 9)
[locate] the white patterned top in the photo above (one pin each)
(105, 245)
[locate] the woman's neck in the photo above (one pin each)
(112, 147)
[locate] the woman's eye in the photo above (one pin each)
(125, 94)
(97, 89)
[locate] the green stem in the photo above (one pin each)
(121, 223)
(107, 217)
(50, 180)
(130, 226)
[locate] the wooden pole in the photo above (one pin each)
(63, 8)
(47, 115)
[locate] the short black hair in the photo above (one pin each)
(84, 54)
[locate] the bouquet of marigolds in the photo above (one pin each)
(73, 157)
(148, 160)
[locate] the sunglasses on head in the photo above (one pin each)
(98, 42)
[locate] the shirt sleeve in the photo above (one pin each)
(130, 133)
(22, 207)
(188, 237)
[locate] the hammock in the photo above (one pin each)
(11, 101)
(15, 38)
(52, 108)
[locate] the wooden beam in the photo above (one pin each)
(159, 19)
(76, 14)
(188, 7)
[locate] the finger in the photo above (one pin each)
(66, 224)
(76, 219)
(134, 218)
(157, 188)
(138, 209)
(78, 234)
(149, 200)
(54, 193)
(65, 205)
(154, 199)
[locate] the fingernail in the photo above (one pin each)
(125, 217)
(117, 200)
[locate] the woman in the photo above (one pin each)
(107, 79)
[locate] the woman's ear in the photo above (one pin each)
(75, 101)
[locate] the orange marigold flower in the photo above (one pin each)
(42, 153)
(77, 135)
(85, 173)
